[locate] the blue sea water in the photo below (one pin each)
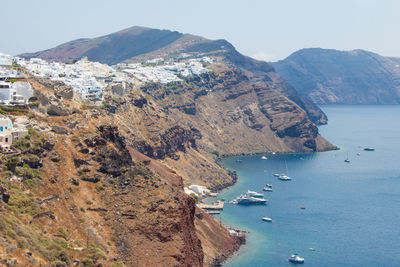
(352, 215)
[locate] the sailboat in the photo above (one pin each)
(347, 159)
(284, 177)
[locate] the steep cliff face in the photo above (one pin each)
(345, 77)
(80, 191)
(234, 113)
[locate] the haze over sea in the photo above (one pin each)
(352, 210)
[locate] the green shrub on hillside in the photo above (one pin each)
(215, 152)
(11, 164)
(193, 195)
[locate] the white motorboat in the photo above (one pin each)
(284, 177)
(247, 200)
(264, 157)
(268, 188)
(266, 219)
(294, 258)
(254, 194)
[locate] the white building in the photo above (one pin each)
(5, 132)
(75, 75)
(189, 192)
(17, 93)
(5, 60)
(8, 133)
(199, 189)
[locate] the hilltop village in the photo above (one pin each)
(90, 80)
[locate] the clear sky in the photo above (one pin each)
(265, 29)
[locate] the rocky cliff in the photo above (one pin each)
(76, 191)
(345, 77)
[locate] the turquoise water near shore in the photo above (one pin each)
(352, 210)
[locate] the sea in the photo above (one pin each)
(351, 214)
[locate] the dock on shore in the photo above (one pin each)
(217, 206)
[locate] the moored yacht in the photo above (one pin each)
(247, 200)
(284, 177)
(254, 194)
(294, 258)
(267, 189)
(369, 149)
(266, 219)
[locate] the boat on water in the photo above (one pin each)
(266, 219)
(264, 157)
(254, 194)
(248, 200)
(294, 258)
(369, 149)
(268, 188)
(284, 177)
(276, 174)
(347, 159)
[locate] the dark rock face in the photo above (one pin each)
(94, 179)
(59, 129)
(33, 162)
(172, 140)
(113, 161)
(4, 196)
(344, 77)
(139, 101)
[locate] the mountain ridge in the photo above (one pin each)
(328, 76)
(184, 43)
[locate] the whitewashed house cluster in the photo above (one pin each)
(90, 78)
(8, 133)
(13, 92)
(165, 71)
(74, 75)
(198, 190)
(5, 60)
